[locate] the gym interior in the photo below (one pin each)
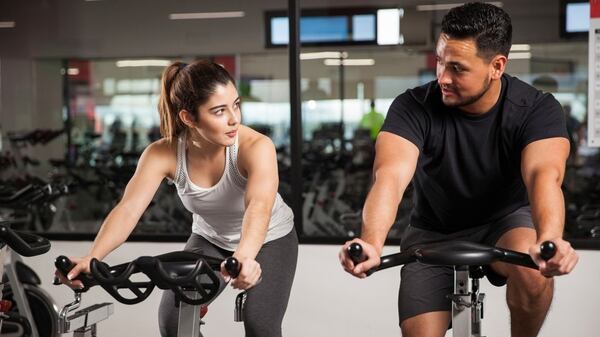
(80, 82)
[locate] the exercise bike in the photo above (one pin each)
(22, 300)
(468, 260)
(195, 279)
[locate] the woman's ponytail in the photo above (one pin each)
(170, 125)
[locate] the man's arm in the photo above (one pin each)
(395, 164)
(543, 168)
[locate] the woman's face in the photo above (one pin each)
(219, 118)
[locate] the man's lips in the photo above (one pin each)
(447, 92)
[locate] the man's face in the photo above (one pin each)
(463, 76)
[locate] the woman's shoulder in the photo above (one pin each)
(161, 155)
(251, 140)
(161, 148)
(254, 148)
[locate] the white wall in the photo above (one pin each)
(327, 302)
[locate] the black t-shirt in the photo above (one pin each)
(468, 172)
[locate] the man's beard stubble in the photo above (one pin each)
(470, 99)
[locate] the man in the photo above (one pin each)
(372, 121)
(486, 153)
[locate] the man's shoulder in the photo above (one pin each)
(522, 94)
(421, 96)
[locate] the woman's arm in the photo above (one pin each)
(258, 162)
(155, 163)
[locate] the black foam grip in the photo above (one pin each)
(355, 251)
(547, 250)
(232, 265)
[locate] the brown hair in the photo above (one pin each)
(186, 87)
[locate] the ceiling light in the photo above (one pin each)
(349, 62)
(143, 63)
(323, 55)
(520, 47)
(206, 15)
(7, 24)
(519, 56)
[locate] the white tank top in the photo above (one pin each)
(218, 211)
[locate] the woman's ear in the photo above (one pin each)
(186, 117)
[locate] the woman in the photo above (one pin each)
(226, 175)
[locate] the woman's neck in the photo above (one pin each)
(201, 148)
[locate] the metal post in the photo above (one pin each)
(189, 318)
(296, 139)
(461, 303)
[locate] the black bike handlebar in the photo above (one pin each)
(180, 272)
(35, 192)
(24, 243)
(453, 253)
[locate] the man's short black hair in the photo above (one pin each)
(487, 24)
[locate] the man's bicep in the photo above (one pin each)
(395, 157)
(545, 154)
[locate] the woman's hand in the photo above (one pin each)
(82, 265)
(249, 276)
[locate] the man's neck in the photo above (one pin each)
(487, 101)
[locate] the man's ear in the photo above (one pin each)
(498, 64)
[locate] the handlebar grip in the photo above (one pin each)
(547, 250)
(24, 243)
(232, 265)
(355, 251)
(64, 265)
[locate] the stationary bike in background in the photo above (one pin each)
(469, 260)
(22, 295)
(25, 309)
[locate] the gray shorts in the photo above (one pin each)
(423, 288)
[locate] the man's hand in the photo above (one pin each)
(563, 261)
(370, 259)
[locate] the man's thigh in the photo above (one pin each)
(515, 232)
(519, 239)
(424, 288)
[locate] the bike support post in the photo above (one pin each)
(189, 318)
(467, 304)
